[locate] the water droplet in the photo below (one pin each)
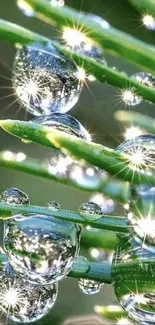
(53, 241)
(99, 20)
(65, 123)
(148, 21)
(81, 265)
(54, 206)
(107, 205)
(14, 196)
(141, 216)
(99, 255)
(133, 280)
(144, 78)
(22, 301)
(85, 175)
(90, 211)
(140, 152)
(89, 287)
(130, 97)
(44, 80)
(28, 11)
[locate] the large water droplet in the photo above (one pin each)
(14, 196)
(22, 301)
(141, 153)
(141, 216)
(44, 80)
(89, 287)
(65, 123)
(107, 205)
(28, 11)
(53, 206)
(133, 272)
(55, 243)
(90, 211)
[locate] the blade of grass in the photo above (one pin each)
(144, 6)
(137, 119)
(108, 159)
(111, 39)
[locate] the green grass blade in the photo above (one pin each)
(100, 272)
(147, 123)
(117, 190)
(107, 159)
(144, 6)
(112, 223)
(111, 40)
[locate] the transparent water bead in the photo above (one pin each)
(99, 20)
(14, 196)
(44, 80)
(107, 205)
(89, 287)
(148, 21)
(81, 264)
(130, 97)
(65, 123)
(90, 211)
(28, 11)
(54, 206)
(100, 255)
(55, 243)
(140, 152)
(133, 272)
(141, 216)
(22, 301)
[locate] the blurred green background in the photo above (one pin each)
(95, 110)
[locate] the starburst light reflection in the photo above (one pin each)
(129, 97)
(73, 37)
(148, 21)
(132, 132)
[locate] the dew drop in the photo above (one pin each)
(133, 280)
(65, 123)
(107, 205)
(53, 241)
(14, 196)
(148, 21)
(144, 78)
(22, 301)
(44, 80)
(99, 20)
(141, 153)
(130, 97)
(53, 206)
(89, 287)
(81, 264)
(90, 211)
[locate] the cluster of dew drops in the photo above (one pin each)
(40, 250)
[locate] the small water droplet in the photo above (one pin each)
(28, 11)
(99, 255)
(89, 287)
(55, 242)
(44, 80)
(90, 211)
(65, 123)
(99, 20)
(22, 301)
(148, 21)
(107, 205)
(130, 97)
(54, 206)
(14, 196)
(57, 3)
(81, 264)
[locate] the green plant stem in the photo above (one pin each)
(100, 272)
(16, 34)
(100, 239)
(111, 161)
(117, 190)
(111, 312)
(144, 6)
(111, 39)
(113, 223)
(137, 119)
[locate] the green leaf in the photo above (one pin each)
(100, 272)
(137, 119)
(108, 159)
(144, 6)
(111, 39)
(16, 34)
(110, 187)
(117, 224)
